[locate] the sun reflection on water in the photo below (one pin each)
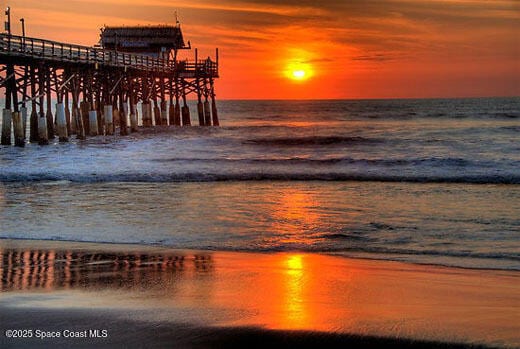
(295, 217)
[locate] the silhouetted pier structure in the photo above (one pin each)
(98, 89)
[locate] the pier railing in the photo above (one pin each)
(19, 46)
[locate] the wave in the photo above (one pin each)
(457, 162)
(438, 253)
(313, 140)
(510, 128)
(345, 237)
(256, 176)
(506, 115)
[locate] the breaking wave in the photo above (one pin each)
(257, 176)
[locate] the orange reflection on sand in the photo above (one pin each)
(284, 291)
(296, 312)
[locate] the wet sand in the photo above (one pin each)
(156, 297)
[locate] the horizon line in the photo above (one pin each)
(363, 98)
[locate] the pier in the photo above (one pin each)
(98, 89)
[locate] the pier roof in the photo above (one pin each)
(148, 39)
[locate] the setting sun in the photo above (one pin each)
(298, 74)
(298, 71)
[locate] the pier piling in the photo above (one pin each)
(177, 113)
(43, 137)
(186, 121)
(123, 116)
(23, 113)
(133, 118)
(61, 121)
(78, 121)
(84, 111)
(214, 111)
(200, 112)
(33, 126)
(100, 116)
(76, 116)
(207, 113)
(157, 114)
(19, 137)
(109, 119)
(93, 123)
(6, 127)
(164, 113)
(48, 115)
(71, 128)
(171, 114)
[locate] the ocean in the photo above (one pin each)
(433, 181)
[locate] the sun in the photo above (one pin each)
(298, 71)
(298, 74)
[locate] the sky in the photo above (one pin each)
(302, 49)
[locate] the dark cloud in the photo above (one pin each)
(377, 57)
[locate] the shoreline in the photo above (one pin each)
(28, 242)
(227, 298)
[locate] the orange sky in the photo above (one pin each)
(355, 48)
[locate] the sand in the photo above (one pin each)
(137, 296)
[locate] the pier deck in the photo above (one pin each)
(20, 50)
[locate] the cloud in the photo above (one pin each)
(376, 57)
(352, 34)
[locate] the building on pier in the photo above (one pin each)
(156, 41)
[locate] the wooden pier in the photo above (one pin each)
(98, 89)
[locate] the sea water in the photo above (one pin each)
(426, 181)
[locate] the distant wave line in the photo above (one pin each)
(255, 176)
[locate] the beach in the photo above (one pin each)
(150, 296)
(367, 223)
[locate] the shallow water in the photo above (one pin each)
(451, 224)
(429, 181)
(61, 285)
